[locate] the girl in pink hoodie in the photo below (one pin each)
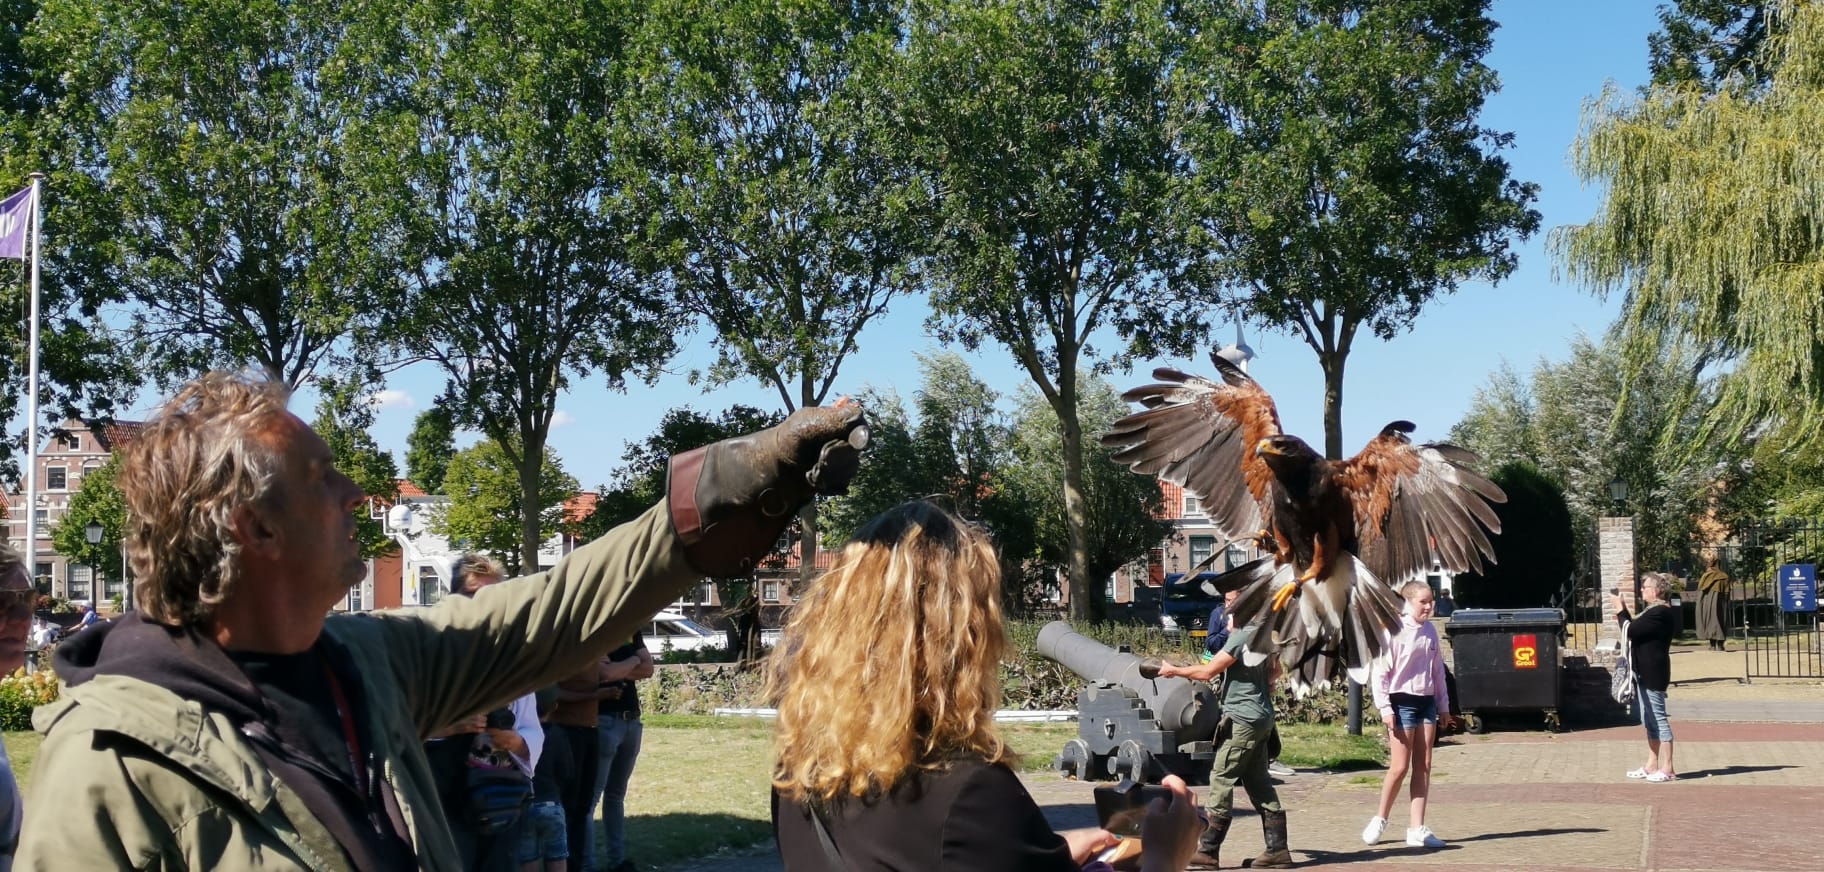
(1408, 682)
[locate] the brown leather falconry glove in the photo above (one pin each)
(731, 500)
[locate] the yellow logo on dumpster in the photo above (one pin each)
(1526, 652)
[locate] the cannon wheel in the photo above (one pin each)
(1074, 761)
(1474, 723)
(1131, 760)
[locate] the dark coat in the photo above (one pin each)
(972, 816)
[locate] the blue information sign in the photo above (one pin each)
(1799, 587)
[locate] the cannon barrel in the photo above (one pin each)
(1177, 703)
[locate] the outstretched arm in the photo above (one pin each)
(1201, 671)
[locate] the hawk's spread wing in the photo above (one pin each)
(1201, 434)
(1416, 501)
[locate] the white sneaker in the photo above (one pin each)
(1372, 832)
(1279, 770)
(1421, 837)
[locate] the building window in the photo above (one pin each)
(1201, 549)
(72, 442)
(112, 587)
(42, 515)
(44, 575)
(769, 592)
(1235, 556)
(1192, 507)
(430, 587)
(56, 478)
(82, 580)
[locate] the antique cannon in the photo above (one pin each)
(1130, 723)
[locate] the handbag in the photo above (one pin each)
(1621, 677)
(496, 797)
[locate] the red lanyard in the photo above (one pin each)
(348, 729)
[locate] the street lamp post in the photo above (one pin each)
(94, 532)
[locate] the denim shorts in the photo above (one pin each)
(540, 834)
(1651, 707)
(1410, 711)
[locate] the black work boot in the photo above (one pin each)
(1209, 845)
(1273, 824)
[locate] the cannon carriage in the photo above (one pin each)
(1130, 723)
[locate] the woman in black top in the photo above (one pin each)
(1650, 656)
(886, 682)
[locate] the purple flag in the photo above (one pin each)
(15, 217)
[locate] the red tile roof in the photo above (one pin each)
(580, 506)
(407, 489)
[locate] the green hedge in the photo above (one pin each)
(1028, 681)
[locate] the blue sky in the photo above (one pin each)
(1552, 55)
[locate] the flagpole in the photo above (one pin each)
(31, 407)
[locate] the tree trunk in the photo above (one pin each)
(807, 547)
(531, 465)
(1333, 364)
(1083, 607)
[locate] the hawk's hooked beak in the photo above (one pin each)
(1267, 446)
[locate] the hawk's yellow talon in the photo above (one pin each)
(1284, 595)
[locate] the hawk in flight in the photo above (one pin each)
(1340, 535)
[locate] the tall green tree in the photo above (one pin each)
(96, 500)
(199, 163)
(1708, 228)
(1568, 421)
(1042, 128)
(486, 503)
(345, 417)
(1711, 43)
(778, 213)
(1124, 510)
(84, 373)
(488, 138)
(954, 445)
(1340, 180)
(1534, 555)
(429, 446)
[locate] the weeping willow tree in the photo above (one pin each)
(1712, 226)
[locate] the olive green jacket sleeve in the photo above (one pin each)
(467, 655)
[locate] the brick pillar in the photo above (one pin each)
(1615, 550)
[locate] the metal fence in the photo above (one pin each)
(1775, 643)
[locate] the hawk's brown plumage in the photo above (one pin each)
(1354, 529)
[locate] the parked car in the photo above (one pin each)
(672, 631)
(1185, 606)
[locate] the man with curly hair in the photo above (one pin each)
(227, 723)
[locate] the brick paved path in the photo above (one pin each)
(1748, 799)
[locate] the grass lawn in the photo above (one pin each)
(701, 784)
(22, 749)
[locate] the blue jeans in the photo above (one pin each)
(541, 834)
(1650, 705)
(620, 745)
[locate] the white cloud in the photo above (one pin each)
(394, 399)
(561, 418)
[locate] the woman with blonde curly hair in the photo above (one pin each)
(886, 683)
